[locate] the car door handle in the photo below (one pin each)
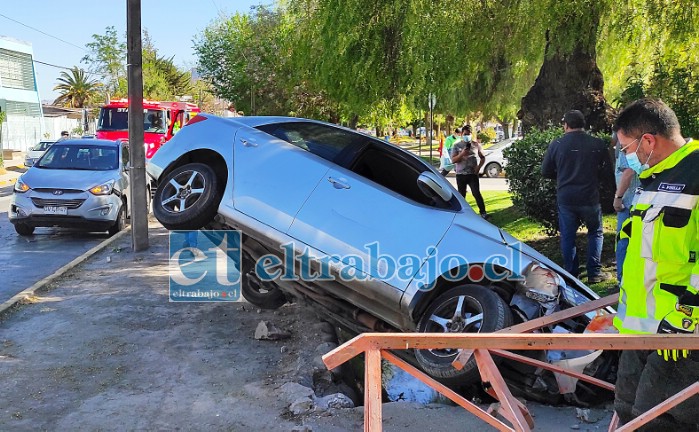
(338, 184)
(247, 143)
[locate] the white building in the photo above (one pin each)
(19, 97)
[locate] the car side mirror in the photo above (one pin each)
(430, 185)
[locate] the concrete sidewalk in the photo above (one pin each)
(104, 349)
(15, 168)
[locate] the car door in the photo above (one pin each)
(373, 215)
(273, 174)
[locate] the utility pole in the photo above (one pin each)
(138, 200)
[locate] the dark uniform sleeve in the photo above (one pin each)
(548, 167)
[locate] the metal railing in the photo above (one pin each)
(377, 346)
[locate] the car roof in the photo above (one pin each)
(89, 142)
(254, 121)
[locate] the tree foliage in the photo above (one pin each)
(356, 59)
(245, 58)
(107, 58)
(162, 80)
(76, 89)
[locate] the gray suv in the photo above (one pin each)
(75, 184)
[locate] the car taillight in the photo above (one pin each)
(195, 119)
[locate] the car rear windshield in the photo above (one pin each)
(80, 157)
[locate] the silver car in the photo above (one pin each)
(495, 160)
(401, 249)
(75, 184)
(36, 152)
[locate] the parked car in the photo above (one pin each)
(495, 161)
(36, 152)
(379, 217)
(77, 183)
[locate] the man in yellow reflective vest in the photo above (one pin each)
(659, 291)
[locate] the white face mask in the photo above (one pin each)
(467, 138)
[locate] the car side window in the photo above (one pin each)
(396, 172)
(328, 142)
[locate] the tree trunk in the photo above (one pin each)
(354, 119)
(504, 123)
(567, 82)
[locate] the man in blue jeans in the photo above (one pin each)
(626, 184)
(576, 161)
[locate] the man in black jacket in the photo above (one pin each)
(576, 161)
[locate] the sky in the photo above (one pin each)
(171, 24)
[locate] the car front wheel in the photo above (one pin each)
(24, 229)
(120, 222)
(187, 198)
(463, 309)
(493, 169)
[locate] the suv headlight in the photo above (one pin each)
(103, 189)
(21, 186)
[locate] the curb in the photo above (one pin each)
(7, 182)
(40, 285)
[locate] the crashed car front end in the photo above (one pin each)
(533, 287)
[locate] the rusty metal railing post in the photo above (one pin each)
(372, 391)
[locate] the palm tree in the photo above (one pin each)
(76, 89)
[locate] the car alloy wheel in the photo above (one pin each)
(183, 191)
(493, 170)
(188, 197)
(462, 309)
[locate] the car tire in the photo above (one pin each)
(120, 222)
(488, 313)
(24, 229)
(265, 295)
(492, 170)
(197, 188)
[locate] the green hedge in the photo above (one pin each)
(531, 192)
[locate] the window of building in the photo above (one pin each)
(16, 70)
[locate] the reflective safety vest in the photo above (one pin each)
(660, 269)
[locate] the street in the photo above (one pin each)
(26, 260)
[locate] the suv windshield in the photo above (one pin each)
(117, 119)
(80, 157)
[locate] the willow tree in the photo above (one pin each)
(538, 56)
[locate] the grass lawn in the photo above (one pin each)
(504, 215)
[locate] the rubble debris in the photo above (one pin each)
(301, 405)
(267, 331)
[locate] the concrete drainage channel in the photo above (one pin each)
(102, 348)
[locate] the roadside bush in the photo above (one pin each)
(531, 192)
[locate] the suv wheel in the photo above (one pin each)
(463, 309)
(187, 198)
(120, 222)
(24, 229)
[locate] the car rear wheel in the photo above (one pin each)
(463, 309)
(493, 169)
(265, 295)
(24, 229)
(187, 198)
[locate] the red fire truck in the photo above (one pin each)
(161, 120)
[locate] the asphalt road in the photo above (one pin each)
(25, 260)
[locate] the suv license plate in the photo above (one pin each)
(56, 210)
